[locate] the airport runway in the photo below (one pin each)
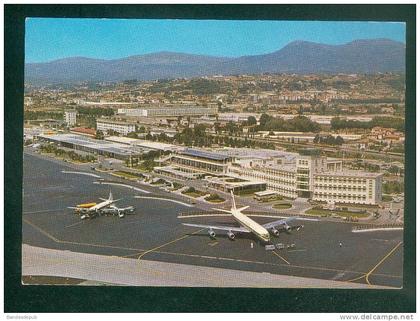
(154, 232)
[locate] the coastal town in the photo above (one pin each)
(334, 140)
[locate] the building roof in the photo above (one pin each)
(266, 193)
(204, 154)
(256, 153)
(158, 145)
(144, 143)
(116, 122)
(95, 144)
(83, 130)
(121, 140)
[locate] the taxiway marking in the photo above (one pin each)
(167, 243)
(368, 274)
(123, 185)
(253, 215)
(78, 243)
(41, 230)
(378, 229)
(381, 261)
(300, 250)
(203, 215)
(164, 199)
(74, 224)
(43, 211)
(220, 258)
(278, 255)
(274, 264)
(81, 173)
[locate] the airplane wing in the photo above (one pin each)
(128, 208)
(78, 208)
(220, 227)
(279, 222)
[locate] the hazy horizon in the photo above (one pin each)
(49, 39)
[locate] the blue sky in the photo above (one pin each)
(47, 39)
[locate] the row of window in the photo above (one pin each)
(340, 187)
(268, 178)
(303, 162)
(340, 197)
(278, 172)
(199, 165)
(340, 180)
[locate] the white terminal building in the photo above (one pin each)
(70, 117)
(291, 175)
(121, 127)
(174, 111)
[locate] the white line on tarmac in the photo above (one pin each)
(124, 185)
(253, 215)
(81, 173)
(74, 224)
(379, 229)
(165, 199)
(43, 211)
(307, 219)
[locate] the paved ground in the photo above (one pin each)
(155, 233)
(100, 269)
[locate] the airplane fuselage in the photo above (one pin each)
(101, 205)
(251, 225)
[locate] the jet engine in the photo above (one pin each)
(212, 234)
(287, 228)
(231, 236)
(275, 232)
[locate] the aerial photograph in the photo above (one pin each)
(214, 153)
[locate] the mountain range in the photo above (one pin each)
(300, 57)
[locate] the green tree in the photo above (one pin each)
(132, 135)
(99, 134)
(264, 119)
(339, 140)
(141, 129)
(251, 121)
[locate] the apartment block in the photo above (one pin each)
(121, 127)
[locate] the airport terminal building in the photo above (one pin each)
(289, 174)
(198, 160)
(313, 177)
(94, 146)
(245, 170)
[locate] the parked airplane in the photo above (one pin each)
(90, 210)
(247, 225)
